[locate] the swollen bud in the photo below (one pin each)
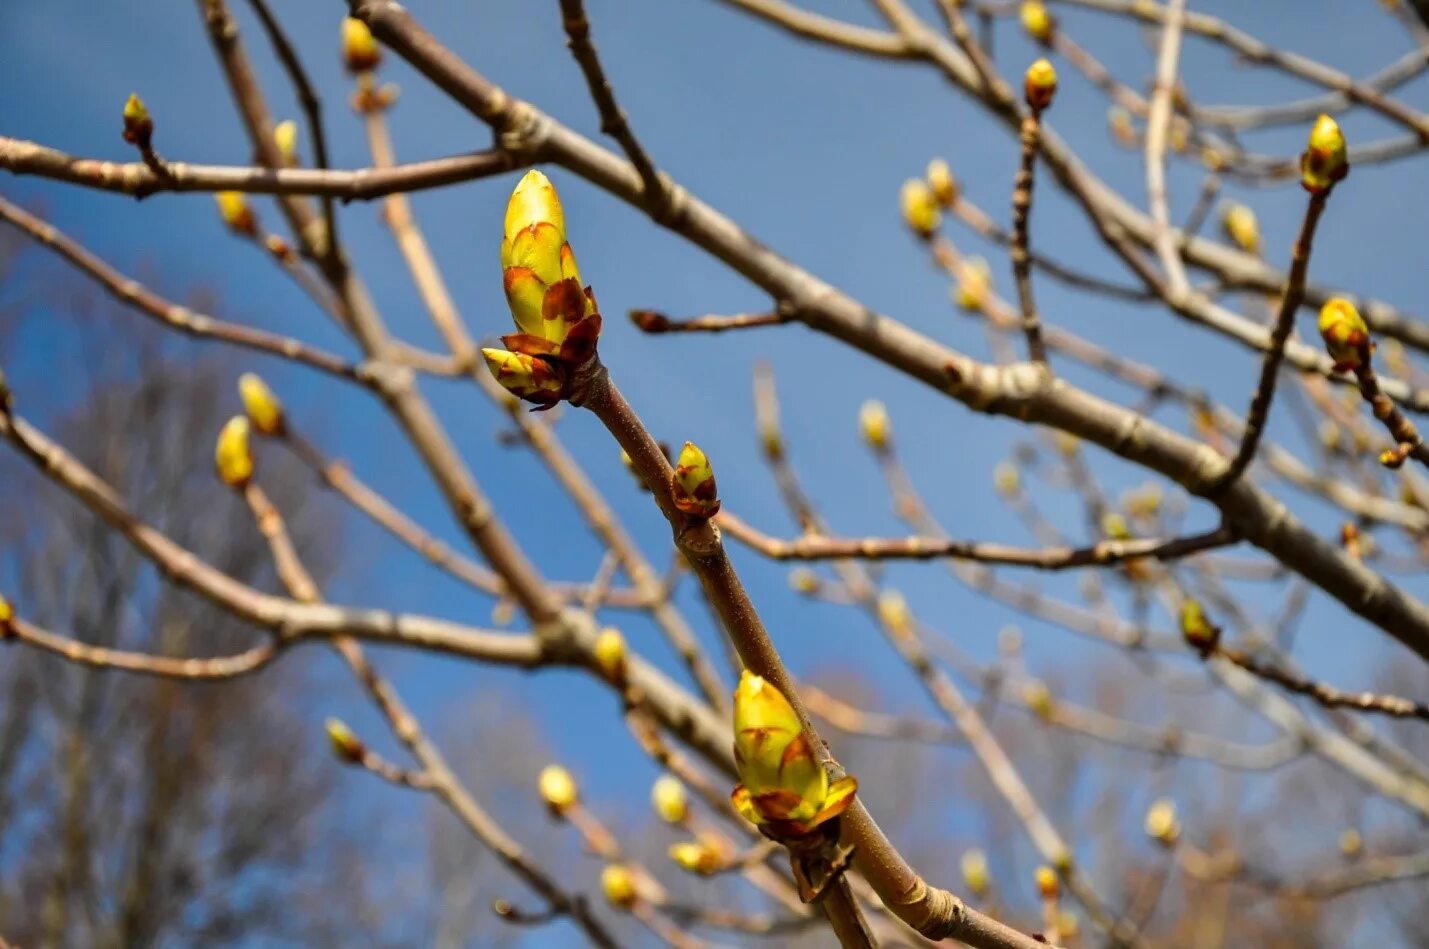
(1345, 334)
(360, 52)
(974, 866)
(1039, 699)
(609, 653)
(974, 284)
(941, 180)
(236, 214)
(1351, 843)
(1048, 886)
(1036, 20)
(618, 885)
(1198, 631)
(1161, 823)
(696, 857)
(784, 788)
(345, 745)
(285, 137)
(1006, 479)
(138, 126)
(1040, 85)
(693, 485)
(893, 613)
(232, 456)
(558, 789)
(1241, 226)
(920, 207)
(528, 378)
(670, 799)
(264, 410)
(873, 425)
(1325, 160)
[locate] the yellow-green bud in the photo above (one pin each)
(1115, 527)
(264, 409)
(1198, 631)
(285, 137)
(618, 885)
(1006, 479)
(1351, 843)
(670, 799)
(360, 52)
(1345, 334)
(893, 613)
(1036, 20)
(696, 857)
(526, 377)
(1040, 85)
(1048, 885)
(920, 207)
(345, 745)
(236, 214)
(609, 650)
(138, 125)
(803, 580)
(1325, 160)
(558, 789)
(873, 425)
(942, 182)
(974, 866)
(1039, 699)
(974, 284)
(693, 485)
(1241, 226)
(1162, 825)
(232, 455)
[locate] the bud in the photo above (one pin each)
(974, 864)
(771, 439)
(232, 456)
(784, 788)
(285, 137)
(618, 884)
(920, 207)
(1036, 20)
(1241, 226)
(696, 857)
(345, 745)
(1198, 631)
(1048, 886)
(609, 653)
(138, 126)
(693, 485)
(942, 182)
(1039, 699)
(527, 378)
(7, 618)
(263, 408)
(1345, 334)
(893, 613)
(236, 214)
(803, 580)
(1161, 823)
(1115, 527)
(558, 789)
(1006, 479)
(670, 800)
(1324, 160)
(556, 318)
(360, 52)
(1351, 843)
(1040, 85)
(1122, 129)
(974, 284)
(1145, 503)
(873, 425)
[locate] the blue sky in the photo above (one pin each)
(806, 149)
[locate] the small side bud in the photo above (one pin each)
(558, 789)
(1049, 887)
(1325, 159)
(618, 885)
(693, 485)
(1162, 825)
(873, 425)
(285, 137)
(670, 799)
(1198, 631)
(1351, 843)
(232, 456)
(360, 52)
(974, 284)
(893, 613)
(1240, 226)
(696, 857)
(1039, 699)
(1037, 21)
(346, 746)
(138, 125)
(941, 180)
(1115, 527)
(1123, 130)
(265, 411)
(1006, 479)
(233, 209)
(1346, 334)
(805, 581)
(1040, 85)
(920, 207)
(975, 876)
(526, 377)
(609, 653)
